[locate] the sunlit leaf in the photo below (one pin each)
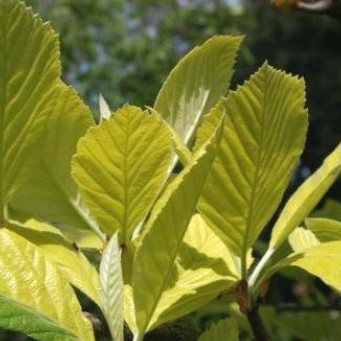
(302, 239)
(154, 262)
(323, 261)
(112, 288)
(73, 265)
(120, 167)
(42, 119)
(32, 288)
(326, 230)
(263, 137)
(204, 268)
(306, 198)
(196, 84)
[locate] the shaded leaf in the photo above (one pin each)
(223, 330)
(326, 230)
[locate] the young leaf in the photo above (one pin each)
(112, 288)
(223, 330)
(31, 286)
(41, 120)
(196, 84)
(204, 268)
(326, 230)
(155, 257)
(302, 239)
(306, 198)
(263, 137)
(323, 261)
(104, 109)
(120, 167)
(73, 265)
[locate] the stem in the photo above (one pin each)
(257, 326)
(254, 276)
(138, 337)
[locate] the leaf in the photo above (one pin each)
(120, 167)
(306, 198)
(112, 288)
(311, 326)
(104, 109)
(164, 233)
(326, 230)
(223, 330)
(24, 319)
(331, 210)
(24, 83)
(301, 239)
(31, 286)
(204, 268)
(196, 84)
(42, 120)
(323, 261)
(263, 137)
(210, 122)
(72, 264)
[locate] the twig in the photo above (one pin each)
(257, 325)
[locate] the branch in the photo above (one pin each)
(257, 325)
(331, 8)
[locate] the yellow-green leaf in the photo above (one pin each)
(112, 291)
(263, 137)
(154, 262)
(223, 330)
(72, 264)
(306, 198)
(196, 84)
(120, 167)
(204, 267)
(42, 120)
(326, 230)
(323, 261)
(30, 280)
(302, 239)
